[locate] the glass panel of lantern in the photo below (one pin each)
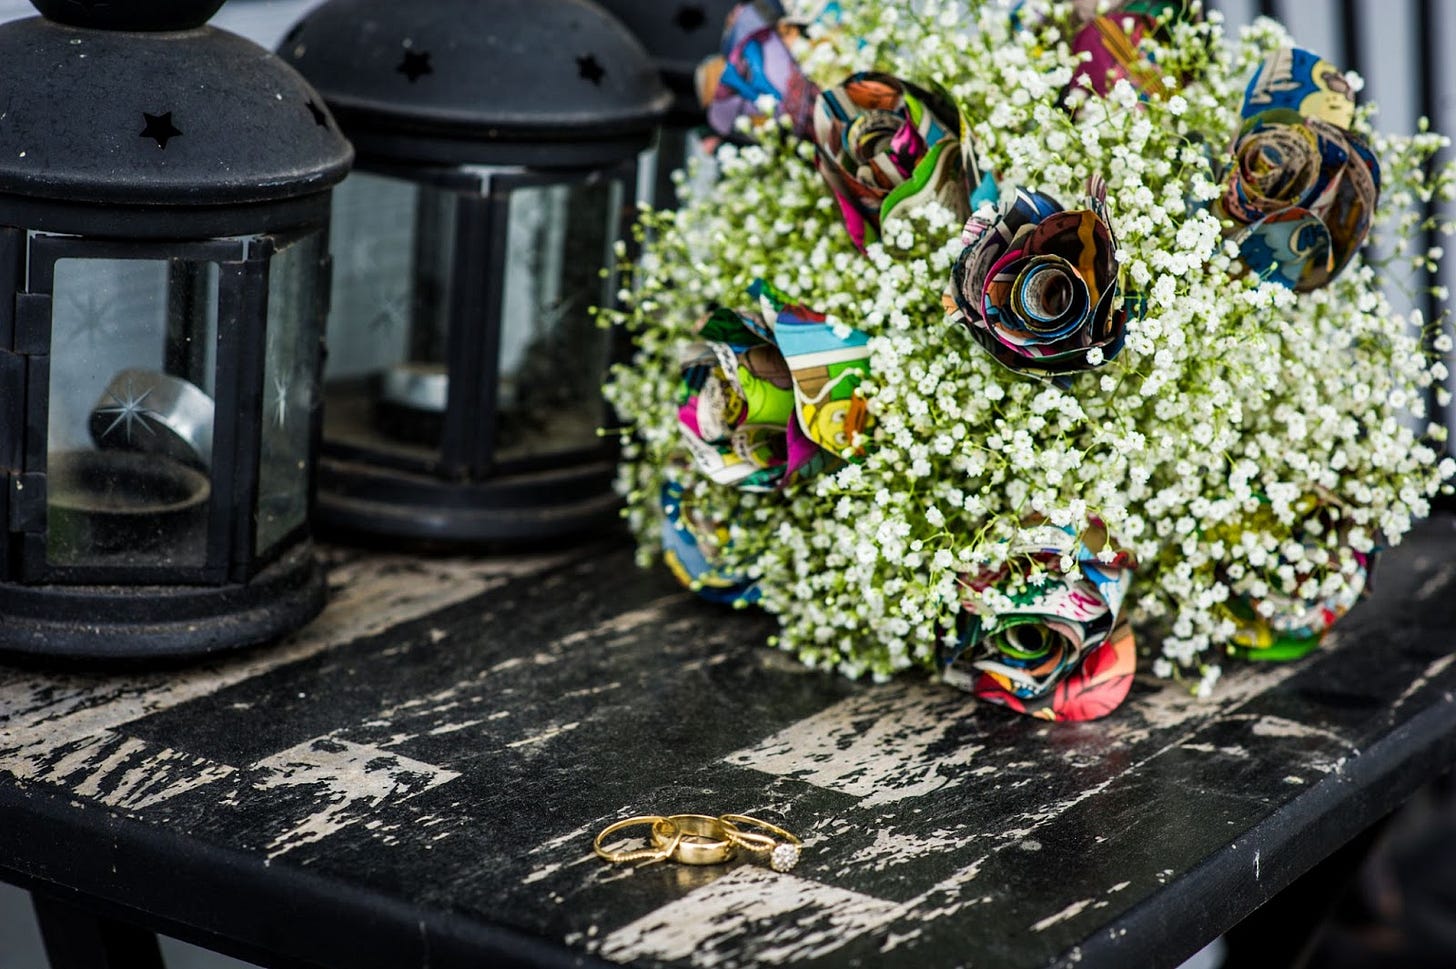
(144, 455)
(386, 378)
(129, 434)
(288, 437)
(389, 372)
(552, 355)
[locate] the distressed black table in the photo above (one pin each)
(416, 779)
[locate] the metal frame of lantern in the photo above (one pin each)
(447, 479)
(181, 527)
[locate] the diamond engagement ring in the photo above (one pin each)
(782, 848)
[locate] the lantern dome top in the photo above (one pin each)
(552, 83)
(678, 34)
(139, 104)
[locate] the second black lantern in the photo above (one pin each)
(498, 148)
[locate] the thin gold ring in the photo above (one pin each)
(702, 840)
(660, 851)
(782, 854)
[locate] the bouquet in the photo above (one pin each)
(1012, 341)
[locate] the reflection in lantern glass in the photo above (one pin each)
(130, 426)
(552, 353)
(388, 326)
(290, 390)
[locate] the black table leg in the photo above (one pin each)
(1282, 933)
(78, 939)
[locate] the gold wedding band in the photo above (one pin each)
(661, 850)
(782, 854)
(701, 840)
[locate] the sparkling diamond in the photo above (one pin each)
(784, 856)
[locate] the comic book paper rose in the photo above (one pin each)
(1031, 637)
(887, 146)
(1108, 43)
(1112, 42)
(691, 547)
(755, 62)
(1278, 625)
(1302, 188)
(768, 398)
(1038, 286)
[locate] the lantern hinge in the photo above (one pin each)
(27, 501)
(32, 323)
(12, 409)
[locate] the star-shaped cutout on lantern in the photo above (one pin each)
(160, 128)
(689, 18)
(415, 65)
(588, 68)
(129, 410)
(320, 117)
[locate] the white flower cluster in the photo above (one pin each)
(1230, 401)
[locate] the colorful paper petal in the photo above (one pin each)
(685, 555)
(1112, 42)
(1301, 188)
(763, 405)
(1060, 650)
(1093, 690)
(755, 62)
(1300, 81)
(1038, 287)
(886, 147)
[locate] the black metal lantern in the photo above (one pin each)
(498, 161)
(164, 204)
(679, 35)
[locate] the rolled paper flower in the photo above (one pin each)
(1059, 650)
(1279, 626)
(1294, 79)
(764, 404)
(1302, 188)
(1038, 286)
(755, 62)
(887, 146)
(689, 544)
(1113, 41)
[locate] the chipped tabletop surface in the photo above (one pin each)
(415, 780)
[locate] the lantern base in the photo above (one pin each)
(369, 503)
(157, 622)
